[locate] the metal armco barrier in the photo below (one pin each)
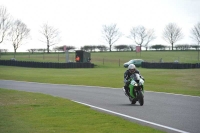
(170, 65)
(45, 64)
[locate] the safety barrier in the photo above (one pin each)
(170, 65)
(45, 64)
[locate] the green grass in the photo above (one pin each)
(110, 59)
(181, 81)
(31, 112)
(23, 112)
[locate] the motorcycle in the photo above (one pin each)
(136, 90)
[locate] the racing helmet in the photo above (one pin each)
(131, 68)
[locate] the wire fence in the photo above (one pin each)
(103, 60)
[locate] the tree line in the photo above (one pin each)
(121, 47)
(17, 32)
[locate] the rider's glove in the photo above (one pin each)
(125, 81)
(142, 78)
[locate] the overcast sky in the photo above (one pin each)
(80, 21)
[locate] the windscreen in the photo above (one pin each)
(136, 77)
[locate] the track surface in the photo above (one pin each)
(168, 112)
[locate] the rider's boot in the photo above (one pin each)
(126, 91)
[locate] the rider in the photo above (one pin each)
(131, 70)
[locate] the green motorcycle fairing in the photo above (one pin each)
(131, 87)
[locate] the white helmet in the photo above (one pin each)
(131, 68)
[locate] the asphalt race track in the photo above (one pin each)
(168, 112)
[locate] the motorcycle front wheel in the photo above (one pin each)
(140, 98)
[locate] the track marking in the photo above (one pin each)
(134, 118)
(119, 114)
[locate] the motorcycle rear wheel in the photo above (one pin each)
(133, 101)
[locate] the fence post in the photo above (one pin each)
(58, 56)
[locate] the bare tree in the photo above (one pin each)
(142, 36)
(196, 35)
(172, 33)
(50, 34)
(18, 33)
(150, 36)
(111, 34)
(132, 47)
(4, 23)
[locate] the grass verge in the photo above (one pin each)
(181, 81)
(25, 112)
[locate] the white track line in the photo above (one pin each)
(134, 118)
(130, 117)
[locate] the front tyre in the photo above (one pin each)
(140, 98)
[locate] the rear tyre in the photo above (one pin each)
(133, 101)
